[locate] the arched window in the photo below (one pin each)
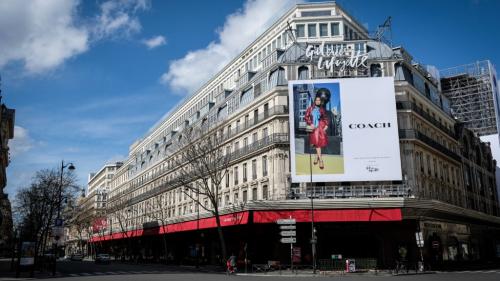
(246, 97)
(376, 70)
(277, 77)
(222, 113)
(303, 73)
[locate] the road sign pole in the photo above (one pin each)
(291, 257)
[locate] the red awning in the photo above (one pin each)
(340, 215)
(241, 218)
(204, 223)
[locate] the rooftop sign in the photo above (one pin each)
(331, 57)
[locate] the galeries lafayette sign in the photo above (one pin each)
(332, 57)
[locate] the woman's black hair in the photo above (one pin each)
(324, 94)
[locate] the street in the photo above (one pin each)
(87, 270)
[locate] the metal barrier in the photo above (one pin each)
(362, 264)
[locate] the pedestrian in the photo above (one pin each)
(231, 264)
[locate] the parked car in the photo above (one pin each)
(102, 258)
(76, 257)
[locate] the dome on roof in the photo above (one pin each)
(294, 53)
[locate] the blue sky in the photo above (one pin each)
(88, 78)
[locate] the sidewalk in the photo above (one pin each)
(7, 274)
(309, 273)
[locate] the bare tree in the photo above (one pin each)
(80, 223)
(37, 205)
(121, 212)
(202, 165)
(160, 214)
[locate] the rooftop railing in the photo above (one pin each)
(351, 191)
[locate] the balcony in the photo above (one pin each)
(414, 134)
(407, 105)
(274, 139)
(243, 79)
(272, 58)
(277, 110)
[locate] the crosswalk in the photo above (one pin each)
(83, 274)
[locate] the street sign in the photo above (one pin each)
(288, 240)
(288, 227)
(286, 221)
(288, 233)
(336, 257)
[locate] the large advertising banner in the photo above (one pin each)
(344, 130)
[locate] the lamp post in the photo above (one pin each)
(58, 222)
(313, 230)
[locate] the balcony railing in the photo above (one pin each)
(276, 110)
(414, 134)
(352, 191)
(412, 106)
(273, 139)
(244, 78)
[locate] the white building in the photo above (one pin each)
(247, 103)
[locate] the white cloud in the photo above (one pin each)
(154, 42)
(22, 142)
(240, 29)
(43, 34)
(118, 17)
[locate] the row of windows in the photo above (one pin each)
(434, 167)
(145, 211)
(252, 64)
(275, 78)
(315, 29)
(326, 29)
(236, 174)
(235, 127)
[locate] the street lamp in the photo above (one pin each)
(70, 167)
(58, 223)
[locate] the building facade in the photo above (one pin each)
(7, 117)
(89, 215)
(246, 103)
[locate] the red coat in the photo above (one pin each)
(317, 137)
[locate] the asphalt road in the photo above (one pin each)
(86, 270)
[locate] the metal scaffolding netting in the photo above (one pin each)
(470, 90)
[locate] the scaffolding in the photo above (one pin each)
(471, 91)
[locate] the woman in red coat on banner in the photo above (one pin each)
(317, 121)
